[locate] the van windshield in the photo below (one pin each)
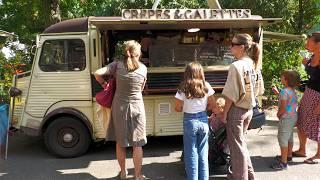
(175, 48)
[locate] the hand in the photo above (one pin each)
(211, 118)
(223, 117)
(275, 90)
(304, 61)
(279, 115)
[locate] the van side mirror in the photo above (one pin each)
(33, 49)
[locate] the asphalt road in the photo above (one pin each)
(29, 160)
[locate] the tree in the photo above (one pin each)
(51, 11)
(27, 18)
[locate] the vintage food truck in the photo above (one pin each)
(57, 99)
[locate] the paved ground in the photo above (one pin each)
(29, 160)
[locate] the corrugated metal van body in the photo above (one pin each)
(49, 88)
(162, 120)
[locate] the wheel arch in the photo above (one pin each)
(62, 112)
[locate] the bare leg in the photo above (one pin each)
(290, 146)
(121, 157)
(303, 140)
(137, 161)
(317, 155)
(284, 154)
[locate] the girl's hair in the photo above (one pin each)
(251, 48)
(316, 36)
(292, 77)
(193, 84)
(132, 52)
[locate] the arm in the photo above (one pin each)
(143, 84)
(178, 105)
(99, 75)
(282, 108)
(226, 108)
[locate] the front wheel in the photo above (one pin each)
(67, 137)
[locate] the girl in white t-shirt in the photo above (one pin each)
(193, 97)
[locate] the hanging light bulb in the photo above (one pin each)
(193, 30)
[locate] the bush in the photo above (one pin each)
(276, 58)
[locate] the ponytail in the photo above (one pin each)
(255, 54)
(132, 53)
(251, 48)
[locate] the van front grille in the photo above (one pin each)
(162, 83)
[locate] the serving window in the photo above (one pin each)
(175, 48)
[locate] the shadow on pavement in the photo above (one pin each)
(263, 164)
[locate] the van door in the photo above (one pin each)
(60, 75)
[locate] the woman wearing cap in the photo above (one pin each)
(309, 110)
(239, 92)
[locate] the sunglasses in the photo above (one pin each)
(235, 44)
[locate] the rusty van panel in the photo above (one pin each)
(17, 103)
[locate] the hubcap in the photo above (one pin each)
(68, 137)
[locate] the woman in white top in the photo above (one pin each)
(240, 93)
(193, 96)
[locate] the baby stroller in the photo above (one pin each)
(219, 154)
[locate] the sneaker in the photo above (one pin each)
(280, 166)
(289, 159)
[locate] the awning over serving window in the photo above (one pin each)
(269, 36)
(116, 23)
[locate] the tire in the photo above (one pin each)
(67, 137)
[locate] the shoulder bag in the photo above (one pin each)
(105, 97)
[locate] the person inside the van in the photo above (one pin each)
(128, 112)
(146, 42)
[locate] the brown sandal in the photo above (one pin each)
(295, 154)
(311, 161)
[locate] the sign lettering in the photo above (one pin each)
(181, 14)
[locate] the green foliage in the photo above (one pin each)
(8, 67)
(28, 18)
(297, 17)
(279, 57)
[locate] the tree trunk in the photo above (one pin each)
(301, 16)
(51, 10)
